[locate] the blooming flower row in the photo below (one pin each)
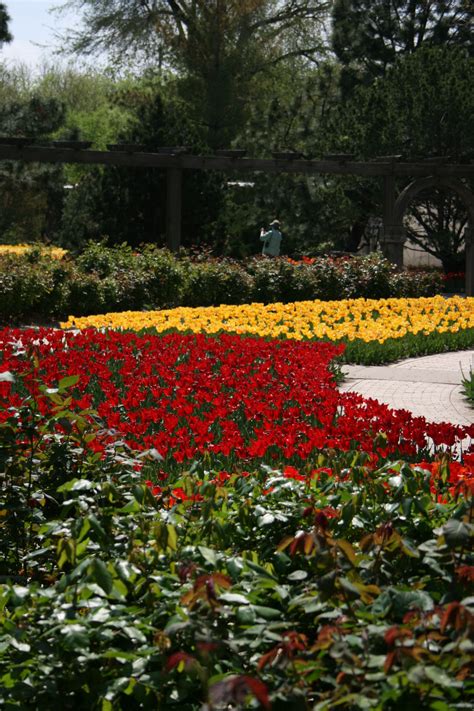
(366, 319)
(231, 397)
(20, 249)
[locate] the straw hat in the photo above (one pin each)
(275, 223)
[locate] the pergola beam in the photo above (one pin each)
(42, 154)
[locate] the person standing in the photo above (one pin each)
(271, 239)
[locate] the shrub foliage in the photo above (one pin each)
(339, 584)
(103, 279)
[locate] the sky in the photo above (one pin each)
(32, 25)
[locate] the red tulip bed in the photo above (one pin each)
(207, 523)
(230, 397)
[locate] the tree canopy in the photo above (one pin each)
(256, 74)
(422, 108)
(5, 35)
(217, 48)
(368, 35)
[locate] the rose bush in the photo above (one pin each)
(102, 279)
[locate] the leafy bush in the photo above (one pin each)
(302, 285)
(412, 284)
(131, 279)
(89, 293)
(165, 277)
(267, 279)
(213, 282)
(327, 278)
(330, 279)
(32, 286)
(454, 282)
(373, 277)
(370, 277)
(280, 280)
(125, 587)
(98, 259)
(103, 279)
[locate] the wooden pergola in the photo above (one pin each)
(420, 174)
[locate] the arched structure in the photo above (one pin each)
(394, 234)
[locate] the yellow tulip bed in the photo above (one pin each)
(21, 249)
(362, 319)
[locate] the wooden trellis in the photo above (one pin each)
(175, 160)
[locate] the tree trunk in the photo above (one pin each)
(453, 263)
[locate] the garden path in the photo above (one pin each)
(429, 387)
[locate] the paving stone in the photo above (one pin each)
(457, 361)
(429, 387)
(376, 372)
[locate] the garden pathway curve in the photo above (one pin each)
(429, 387)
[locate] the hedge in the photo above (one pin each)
(35, 287)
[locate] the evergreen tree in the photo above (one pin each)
(5, 35)
(422, 108)
(30, 194)
(368, 35)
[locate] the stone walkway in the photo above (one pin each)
(429, 387)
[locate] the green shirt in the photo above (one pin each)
(271, 242)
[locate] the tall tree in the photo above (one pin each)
(368, 35)
(128, 204)
(30, 194)
(422, 108)
(219, 46)
(303, 118)
(5, 35)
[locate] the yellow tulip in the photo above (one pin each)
(367, 319)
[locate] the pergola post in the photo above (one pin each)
(392, 235)
(173, 208)
(393, 240)
(469, 241)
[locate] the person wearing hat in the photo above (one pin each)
(271, 240)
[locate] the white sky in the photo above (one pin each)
(31, 25)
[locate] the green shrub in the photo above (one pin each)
(266, 279)
(274, 280)
(103, 279)
(216, 282)
(152, 277)
(31, 289)
(105, 261)
(89, 293)
(329, 283)
(165, 277)
(302, 284)
(413, 284)
(454, 282)
(368, 277)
